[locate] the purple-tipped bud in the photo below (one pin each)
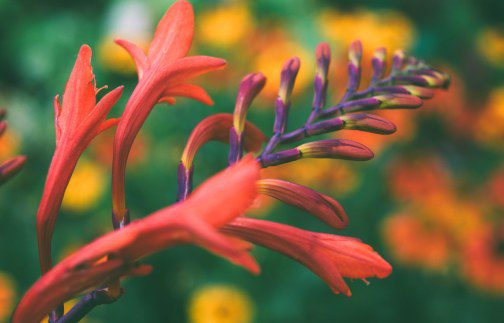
(379, 63)
(441, 79)
(185, 180)
(250, 87)
(3, 127)
(323, 57)
(289, 73)
(399, 101)
(368, 123)
(323, 127)
(354, 70)
(421, 92)
(321, 206)
(336, 148)
(11, 167)
(398, 61)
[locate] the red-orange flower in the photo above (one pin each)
(163, 74)
(78, 119)
(331, 257)
(217, 202)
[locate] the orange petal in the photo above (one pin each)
(174, 34)
(141, 61)
(188, 91)
(79, 97)
(331, 257)
(323, 207)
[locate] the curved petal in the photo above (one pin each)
(141, 61)
(216, 127)
(186, 68)
(321, 206)
(188, 91)
(331, 257)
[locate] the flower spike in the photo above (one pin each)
(78, 119)
(163, 74)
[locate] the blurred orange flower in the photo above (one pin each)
(414, 243)
(225, 25)
(389, 29)
(493, 134)
(85, 188)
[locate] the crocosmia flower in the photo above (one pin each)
(78, 119)
(163, 74)
(215, 203)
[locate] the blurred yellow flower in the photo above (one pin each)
(9, 145)
(68, 305)
(115, 58)
(225, 25)
(86, 187)
(491, 46)
(7, 296)
(272, 54)
(337, 176)
(390, 29)
(220, 304)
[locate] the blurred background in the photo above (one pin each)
(431, 202)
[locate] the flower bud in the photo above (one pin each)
(368, 123)
(250, 87)
(421, 92)
(11, 167)
(398, 101)
(379, 63)
(336, 148)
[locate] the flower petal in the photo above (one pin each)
(188, 91)
(321, 206)
(141, 61)
(181, 70)
(79, 97)
(174, 34)
(331, 257)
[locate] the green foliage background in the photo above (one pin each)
(38, 44)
